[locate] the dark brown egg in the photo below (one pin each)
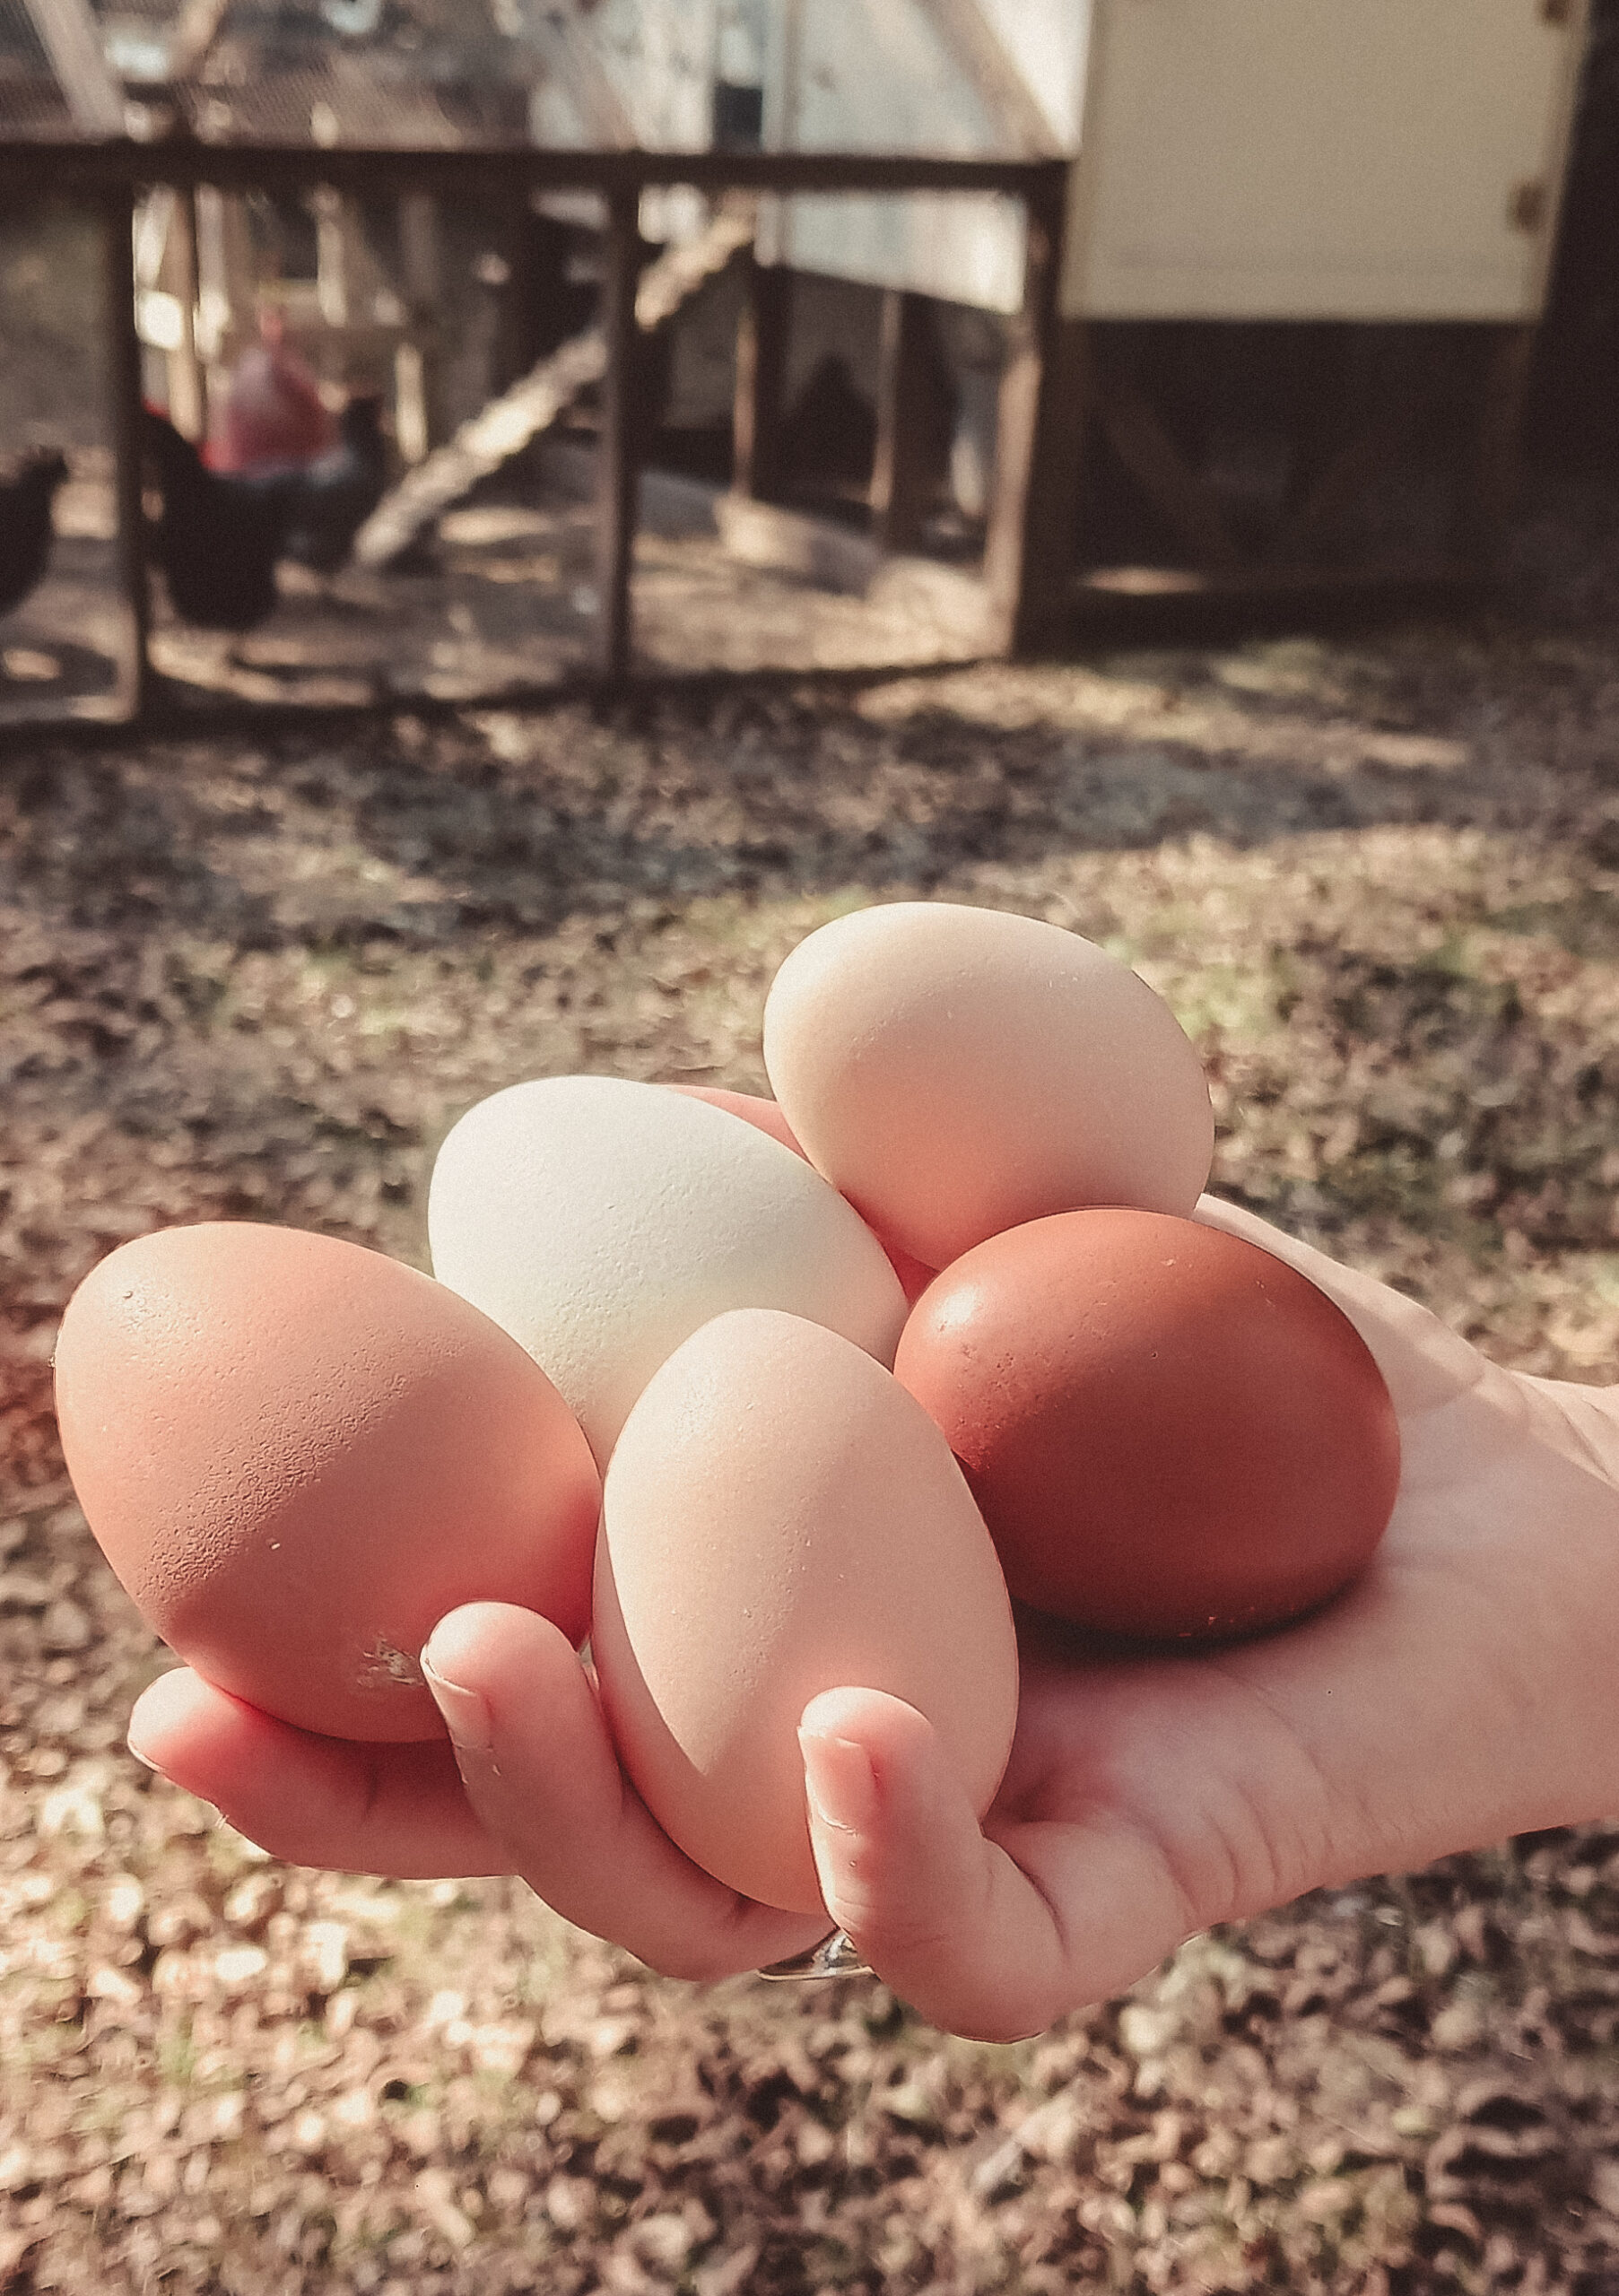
(1170, 1433)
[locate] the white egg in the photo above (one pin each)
(957, 1071)
(601, 1222)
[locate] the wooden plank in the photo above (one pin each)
(124, 383)
(1361, 459)
(68, 34)
(571, 55)
(188, 385)
(620, 438)
(761, 340)
(980, 53)
(513, 420)
(794, 542)
(418, 397)
(1495, 468)
(466, 173)
(905, 466)
(1030, 548)
(194, 35)
(1147, 451)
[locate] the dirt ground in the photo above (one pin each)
(1375, 875)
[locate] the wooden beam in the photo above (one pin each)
(1147, 451)
(512, 421)
(68, 34)
(761, 340)
(124, 383)
(194, 35)
(569, 55)
(620, 438)
(904, 468)
(1031, 545)
(1361, 459)
(466, 172)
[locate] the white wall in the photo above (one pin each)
(875, 75)
(1352, 159)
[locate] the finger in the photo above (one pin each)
(539, 1766)
(991, 1933)
(1423, 1363)
(395, 1810)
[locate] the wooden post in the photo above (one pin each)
(903, 469)
(125, 391)
(762, 336)
(187, 386)
(1028, 552)
(72, 39)
(1481, 524)
(621, 431)
(418, 414)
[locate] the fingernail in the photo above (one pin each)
(465, 1712)
(145, 1759)
(840, 1784)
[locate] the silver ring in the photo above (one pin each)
(835, 1956)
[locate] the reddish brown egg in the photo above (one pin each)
(1170, 1433)
(753, 1108)
(298, 1455)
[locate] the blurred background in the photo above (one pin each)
(1322, 738)
(1324, 279)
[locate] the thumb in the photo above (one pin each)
(995, 1936)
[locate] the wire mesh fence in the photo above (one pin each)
(32, 102)
(60, 628)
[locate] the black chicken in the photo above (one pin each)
(25, 527)
(333, 496)
(220, 534)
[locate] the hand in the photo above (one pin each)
(1461, 1692)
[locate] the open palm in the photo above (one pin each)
(1462, 1691)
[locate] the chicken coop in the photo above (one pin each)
(393, 348)
(1305, 249)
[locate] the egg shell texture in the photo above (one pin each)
(1170, 1433)
(957, 1071)
(753, 1108)
(781, 1519)
(602, 1221)
(298, 1455)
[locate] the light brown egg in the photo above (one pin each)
(780, 1518)
(954, 1071)
(298, 1455)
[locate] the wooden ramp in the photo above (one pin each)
(490, 439)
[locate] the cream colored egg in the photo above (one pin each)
(781, 1518)
(601, 1222)
(955, 1072)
